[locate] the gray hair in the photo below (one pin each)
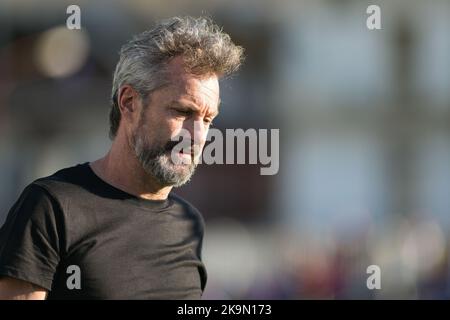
(203, 45)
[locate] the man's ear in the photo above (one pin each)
(129, 102)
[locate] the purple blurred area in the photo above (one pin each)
(364, 119)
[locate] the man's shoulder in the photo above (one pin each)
(186, 206)
(63, 181)
(45, 198)
(182, 202)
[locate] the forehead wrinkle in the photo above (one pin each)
(194, 89)
(199, 102)
(200, 96)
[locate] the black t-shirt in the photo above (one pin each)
(81, 238)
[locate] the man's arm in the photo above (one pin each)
(30, 244)
(15, 289)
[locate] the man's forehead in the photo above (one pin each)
(203, 92)
(186, 81)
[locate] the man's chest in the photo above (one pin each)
(133, 259)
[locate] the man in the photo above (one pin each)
(112, 228)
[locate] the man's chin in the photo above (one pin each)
(182, 159)
(181, 168)
(181, 179)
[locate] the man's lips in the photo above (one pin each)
(191, 153)
(188, 153)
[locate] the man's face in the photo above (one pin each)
(188, 102)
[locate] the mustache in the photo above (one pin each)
(183, 144)
(170, 145)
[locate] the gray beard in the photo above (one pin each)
(156, 161)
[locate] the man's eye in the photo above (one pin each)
(208, 122)
(183, 112)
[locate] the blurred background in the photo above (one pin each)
(364, 119)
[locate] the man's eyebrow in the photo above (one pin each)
(191, 106)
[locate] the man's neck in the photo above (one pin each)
(123, 171)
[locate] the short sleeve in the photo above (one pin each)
(30, 239)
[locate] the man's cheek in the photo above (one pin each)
(173, 126)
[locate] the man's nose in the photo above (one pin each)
(198, 131)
